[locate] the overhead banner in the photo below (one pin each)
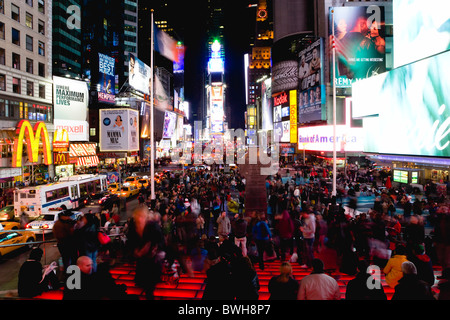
(311, 93)
(119, 130)
(360, 43)
(70, 99)
(407, 110)
(139, 75)
(107, 78)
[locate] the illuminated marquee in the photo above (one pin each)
(33, 136)
(293, 115)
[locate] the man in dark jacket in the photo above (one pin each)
(410, 287)
(239, 228)
(357, 288)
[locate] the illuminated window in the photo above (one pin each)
(29, 20)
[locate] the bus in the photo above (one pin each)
(69, 191)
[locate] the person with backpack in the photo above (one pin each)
(262, 236)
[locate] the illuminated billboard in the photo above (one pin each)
(421, 29)
(70, 99)
(266, 105)
(170, 122)
(411, 103)
(321, 138)
(360, 43)
(107, 83)
(216, 109)
(119, 130)
(139, 75)
(311, 92)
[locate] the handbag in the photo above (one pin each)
(103, 238)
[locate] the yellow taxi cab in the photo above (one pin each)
(128, 191)
(11, 225)
(133, 180)
(14, 238)
(144, 182)
(114, 187)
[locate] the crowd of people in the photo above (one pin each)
(198, 222)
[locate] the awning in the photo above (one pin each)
(90, 161)
(85, 153)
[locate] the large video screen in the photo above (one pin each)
(422, 29)
(412, 109)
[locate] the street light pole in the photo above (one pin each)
(334, 106)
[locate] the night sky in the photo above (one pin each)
(190, 25)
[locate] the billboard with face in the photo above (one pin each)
(360, 43)
(119, 130)
(139, 75)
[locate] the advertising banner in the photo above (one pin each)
(119, 130)
(70, 99)
(107, 78)
(170, 121)
(360, 43)
(412, 109)
(311, 92)
(421, 29)
(139, 75)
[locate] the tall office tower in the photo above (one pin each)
(259, 66)
(130, 31)
(67, 38)
(107, 29)
(25, 62)
(25, 79)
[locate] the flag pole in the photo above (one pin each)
(334, 193)
(152, 137)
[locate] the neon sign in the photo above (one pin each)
(33, 136)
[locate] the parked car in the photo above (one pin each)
(7, 213)
(14, 238)
(45, 222)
